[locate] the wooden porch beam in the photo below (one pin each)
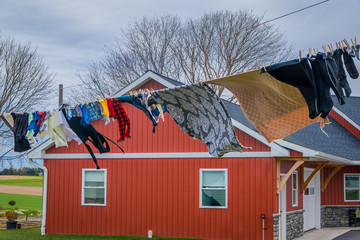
(316, 162)
(293, 158)
(325, 182)
(306, 183)
(280, 184)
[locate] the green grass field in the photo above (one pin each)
(38, 182)
(26, 202)
(34, 234)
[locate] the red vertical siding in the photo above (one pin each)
(161, 195)
(334, 193)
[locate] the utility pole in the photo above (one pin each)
(61, 92)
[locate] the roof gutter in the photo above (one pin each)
(337, 159)
(43, 218)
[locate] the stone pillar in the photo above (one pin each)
(294, 224)
(276, 226)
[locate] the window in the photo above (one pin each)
(352, 187)
(93, 187)
(213, 188)
(295, 189)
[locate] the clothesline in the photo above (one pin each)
(278, 100)
(73, 123)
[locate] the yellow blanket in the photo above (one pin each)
(275, 108)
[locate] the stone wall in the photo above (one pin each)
(276, 226)
(294, 224)
(336, 216)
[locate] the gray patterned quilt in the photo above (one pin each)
(200, 113)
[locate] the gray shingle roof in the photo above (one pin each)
(350, 108)
(340, 142)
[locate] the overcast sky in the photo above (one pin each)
(71, 34)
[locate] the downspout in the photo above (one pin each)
(43, 218)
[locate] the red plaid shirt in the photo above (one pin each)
(123, 119)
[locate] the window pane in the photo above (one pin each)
(352, 181)
(94, 179)
(94, 195)
(213, 198)
(294, 181)
(352, 194)
(294, 197)
(213, 179)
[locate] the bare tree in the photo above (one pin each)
(24, 80)
(215, 45)
(224, 43)
(145, 45)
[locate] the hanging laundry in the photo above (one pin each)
(55, 130)
(357, 51)
(325, 73)
(341, 72)
(200, 113)
(33, 128)
(313, 77)
(123, 120)
(275, 108)
(68, 132)
(89, 133)
(105, 111)
(349, 63)
(20, 126)
(42, 117)
(94, 112)
(137, 101)
(85, 115)
(105, 107)
(110, 107)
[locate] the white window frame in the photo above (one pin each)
(225, 170)
(351, 174)
(295, 189)
(83, 186)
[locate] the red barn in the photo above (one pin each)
(163, 181)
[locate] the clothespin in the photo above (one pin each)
(314, 51)
(337, 45)
(310, 52)
(264, 67)
(331, 48)
(347, 44)
(325, 50)
(342, 46)
(300, 56)
(354, 44)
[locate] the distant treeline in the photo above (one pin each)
(22, 171)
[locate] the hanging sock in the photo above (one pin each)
(341, 72)
(350, 65)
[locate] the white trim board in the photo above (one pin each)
(201, 170)
(276, 150)
(307, 152)
(153, 155)
(343, 115)
(142, 80)
(83, 186)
